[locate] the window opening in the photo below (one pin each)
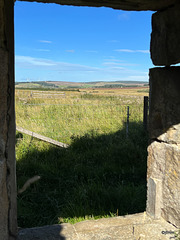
(75, 73)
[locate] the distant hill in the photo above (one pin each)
(59, 85)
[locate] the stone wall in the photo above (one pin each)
(164, 151)
(163, 174)
(8, 226)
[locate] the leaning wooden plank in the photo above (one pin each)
(43, 138)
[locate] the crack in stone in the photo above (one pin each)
(161, 141)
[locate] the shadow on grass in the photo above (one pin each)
(96, 176)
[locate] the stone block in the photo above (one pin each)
(171, 185)
(156, 160)
(164, 150)
(163, 194)
(172, 135)
(164, 115)
(154, 198)
(165, 37)
(130, 227)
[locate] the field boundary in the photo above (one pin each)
(41, 137)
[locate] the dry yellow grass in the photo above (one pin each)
(137, 91)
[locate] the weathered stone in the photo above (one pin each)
(137, 5)
(164, 116)
(165, 37)
(130, 227)
(154, 202)
(156, 160)
(172, 135)
(164, 166)
(164, 150)
(171, 185)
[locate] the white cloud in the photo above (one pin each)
(113, 41)
(124, 16)
(132, 51)
(124, 50)
(40, 68)
(112, 59)
(70, 51)
(45, 41)
(30, 62)
(42, 50)
(113, 63)
(138, 78)
(143, 51)
(33, 61)
(91, 51)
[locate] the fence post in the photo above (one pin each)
(145, 113)
(127, 124)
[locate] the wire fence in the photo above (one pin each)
(61, 119)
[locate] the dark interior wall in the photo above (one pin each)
(8, 218)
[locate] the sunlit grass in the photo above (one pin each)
(101, 174)
(74, 114)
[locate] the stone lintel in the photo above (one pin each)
(137, 5)
(165, 37)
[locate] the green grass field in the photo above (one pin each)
(101, 174)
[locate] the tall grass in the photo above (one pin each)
(62, 117)
(101, 174)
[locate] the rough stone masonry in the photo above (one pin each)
(163, 174)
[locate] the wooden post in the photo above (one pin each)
(145, 113)
(127, 123)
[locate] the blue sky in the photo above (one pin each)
(80, 44)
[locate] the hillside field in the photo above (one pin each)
(103, 171)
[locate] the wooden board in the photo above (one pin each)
(43, 138)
